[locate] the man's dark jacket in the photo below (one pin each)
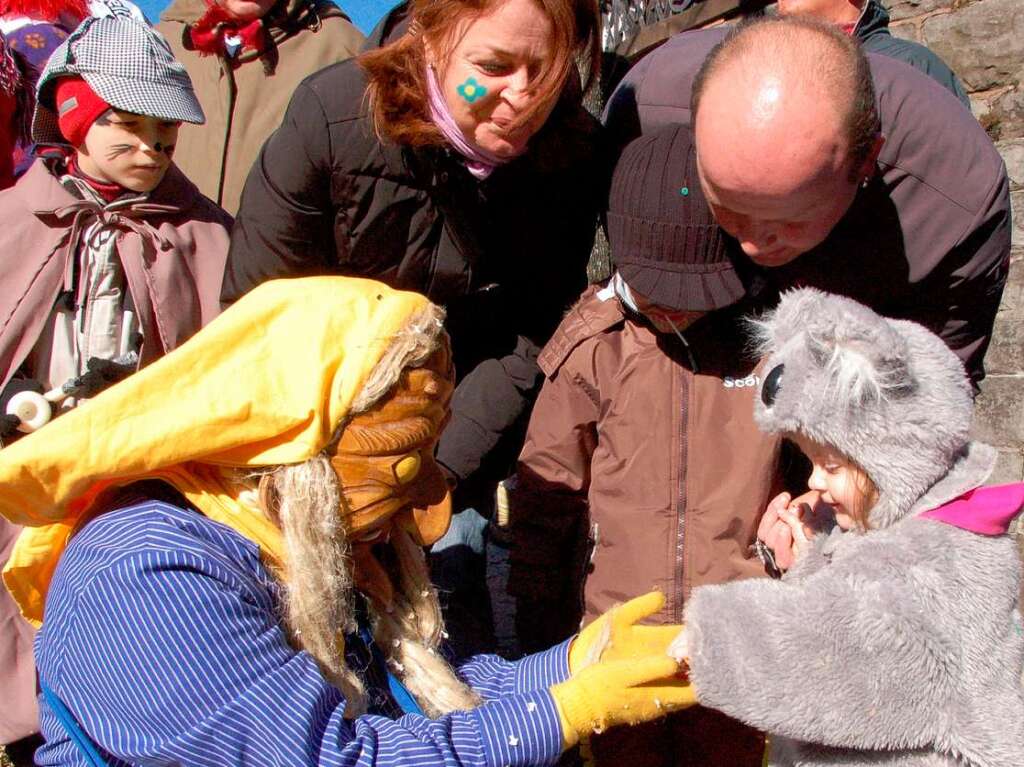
(872, 31)
(927, 240)
(505, 256)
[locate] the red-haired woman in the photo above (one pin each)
(455, 160)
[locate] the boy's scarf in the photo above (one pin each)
(216, 32)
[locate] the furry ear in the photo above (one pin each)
(862, 356)
(796, 308)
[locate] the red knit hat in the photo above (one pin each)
(78, 106)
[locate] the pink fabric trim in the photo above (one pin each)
(984, 510)
(478, 162)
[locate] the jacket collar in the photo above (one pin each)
(282, 21)
(874, 19)
(43, 193)
(984, 510)
(969, 472)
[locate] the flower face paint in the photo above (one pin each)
(471, 90)
(130, 150)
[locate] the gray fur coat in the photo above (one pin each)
(901, 646)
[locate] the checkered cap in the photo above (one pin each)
(128, 64)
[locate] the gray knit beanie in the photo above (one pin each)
(888, 394)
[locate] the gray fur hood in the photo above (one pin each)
(888, 394)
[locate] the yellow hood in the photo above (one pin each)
(266, 383)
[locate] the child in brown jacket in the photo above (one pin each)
(643, 467)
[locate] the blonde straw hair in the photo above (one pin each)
(305, 500)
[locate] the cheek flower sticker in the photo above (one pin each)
(471, 90)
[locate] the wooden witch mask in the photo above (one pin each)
(385, 458)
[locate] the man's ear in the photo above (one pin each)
(868, 167)
(268, 498)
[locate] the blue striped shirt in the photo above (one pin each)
(162, 635)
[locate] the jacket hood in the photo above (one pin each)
(596, 311)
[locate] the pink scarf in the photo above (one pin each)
(984, 510)
(478, 162)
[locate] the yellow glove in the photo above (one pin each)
(610, 693)
(614, 636)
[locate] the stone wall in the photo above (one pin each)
(983, 42)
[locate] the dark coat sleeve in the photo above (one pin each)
(284, 223)
(488, 403)
(971, 284)
(542, 246)
(549, 513)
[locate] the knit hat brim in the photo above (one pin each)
(716, 287)
(701, 280)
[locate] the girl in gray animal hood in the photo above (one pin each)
(897, 638)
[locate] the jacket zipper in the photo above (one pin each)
(677, 607)
(225, 67)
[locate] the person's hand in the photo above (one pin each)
(615, 635)
(611, 693)
(794, 517)
(680, 648)
(777, 533)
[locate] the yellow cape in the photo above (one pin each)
(267, 383)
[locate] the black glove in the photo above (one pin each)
(101, 374)
(9, 423)
(8, 426)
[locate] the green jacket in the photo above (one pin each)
(872, 31)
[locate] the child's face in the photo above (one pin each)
(841, 483)
(133, 151)
(664, 319)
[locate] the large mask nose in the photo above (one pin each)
(770, 387)
(427, 519)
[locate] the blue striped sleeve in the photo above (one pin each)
(172, 652)
(493, 677)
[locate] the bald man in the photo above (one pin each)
(867, 21)
(855, 174)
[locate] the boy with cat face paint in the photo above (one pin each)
(111, 256)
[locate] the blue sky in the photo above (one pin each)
(364, 13)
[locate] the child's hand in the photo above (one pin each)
(777, 533)
(801, 533)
